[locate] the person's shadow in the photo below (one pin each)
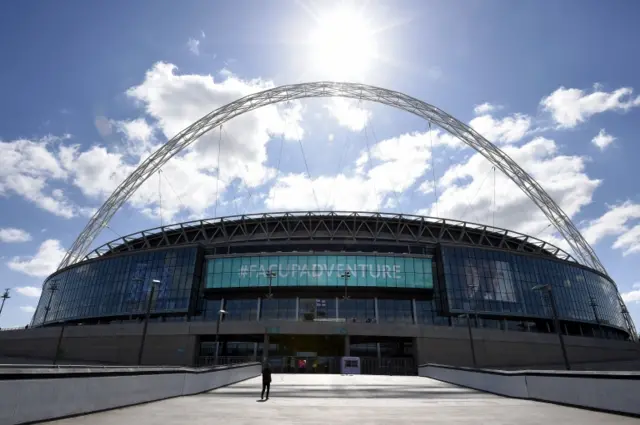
(261, 400)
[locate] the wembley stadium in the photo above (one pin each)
(330, 284)
(304, 289)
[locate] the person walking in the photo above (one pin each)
(266, 380)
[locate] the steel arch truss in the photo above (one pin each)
(583, 251)
(327, 226)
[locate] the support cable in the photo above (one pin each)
(373, 183)
(433, 170)
(413, 191)
(248, 188)
(114, 232)
(474, 197)
(306, 166)
(375, 139)
(184, 205)
(275, 192)
(215, 208)
(494, 196)
(545, 228)
(160, 193)
(345, 149)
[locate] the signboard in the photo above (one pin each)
(350, 365)
(320, 270)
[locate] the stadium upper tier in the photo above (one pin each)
(329, 227)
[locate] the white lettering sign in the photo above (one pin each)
(379, 271)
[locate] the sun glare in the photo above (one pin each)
(342, 44)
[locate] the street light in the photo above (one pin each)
(346, 276)
(556, 320)
(221, 312)
(594, 305)
(154, 282)
(473, 348)
(270, 275)
(53, 287)
(4, 297)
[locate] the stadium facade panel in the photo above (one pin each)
(355, 267)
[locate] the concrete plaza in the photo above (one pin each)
(336, 399)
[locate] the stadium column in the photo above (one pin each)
(375, 308)
(265, 347)
(347, 346)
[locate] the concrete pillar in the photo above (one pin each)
(265, 348)
(258, 309)
(255, 351)
(347, 345)
(414, 311)
(337, 308)
(375, 308)
(297, 307)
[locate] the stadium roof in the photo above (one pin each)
(329, 226)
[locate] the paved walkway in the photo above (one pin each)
(335, 400)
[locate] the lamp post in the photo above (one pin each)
(4, 297)
(154, 282)
(270, 275)
(221, 312)
(556, 321)
(346, 276)
(594, 305)
(53, 287)
(471, 344)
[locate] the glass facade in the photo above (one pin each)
(120, 286)
(320, 270)
(357, 310)
(485, 281)
(496, 287)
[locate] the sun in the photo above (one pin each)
(342, 45)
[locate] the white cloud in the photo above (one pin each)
(485, 108)
(602, 139)
(612, 223)
(28, 308)
(348, 113)
(28, 167)
(29, 291)
(175, 101)
(136, 131)
(570, 107)
(426, 186)
(43, 263)
(172, 102)
(11, 235)
(632, 296)
(331, 137)
(466, 190)
(395, 165)
(194, 46)
(506, 130)
(629, 241)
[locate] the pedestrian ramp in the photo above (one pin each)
(348, 399)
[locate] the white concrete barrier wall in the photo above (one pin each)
(616, 395)
(613, 392)
(29, 400)
(509, 385)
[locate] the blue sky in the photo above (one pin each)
(90, 89)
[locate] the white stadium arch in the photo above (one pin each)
(583, 252)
